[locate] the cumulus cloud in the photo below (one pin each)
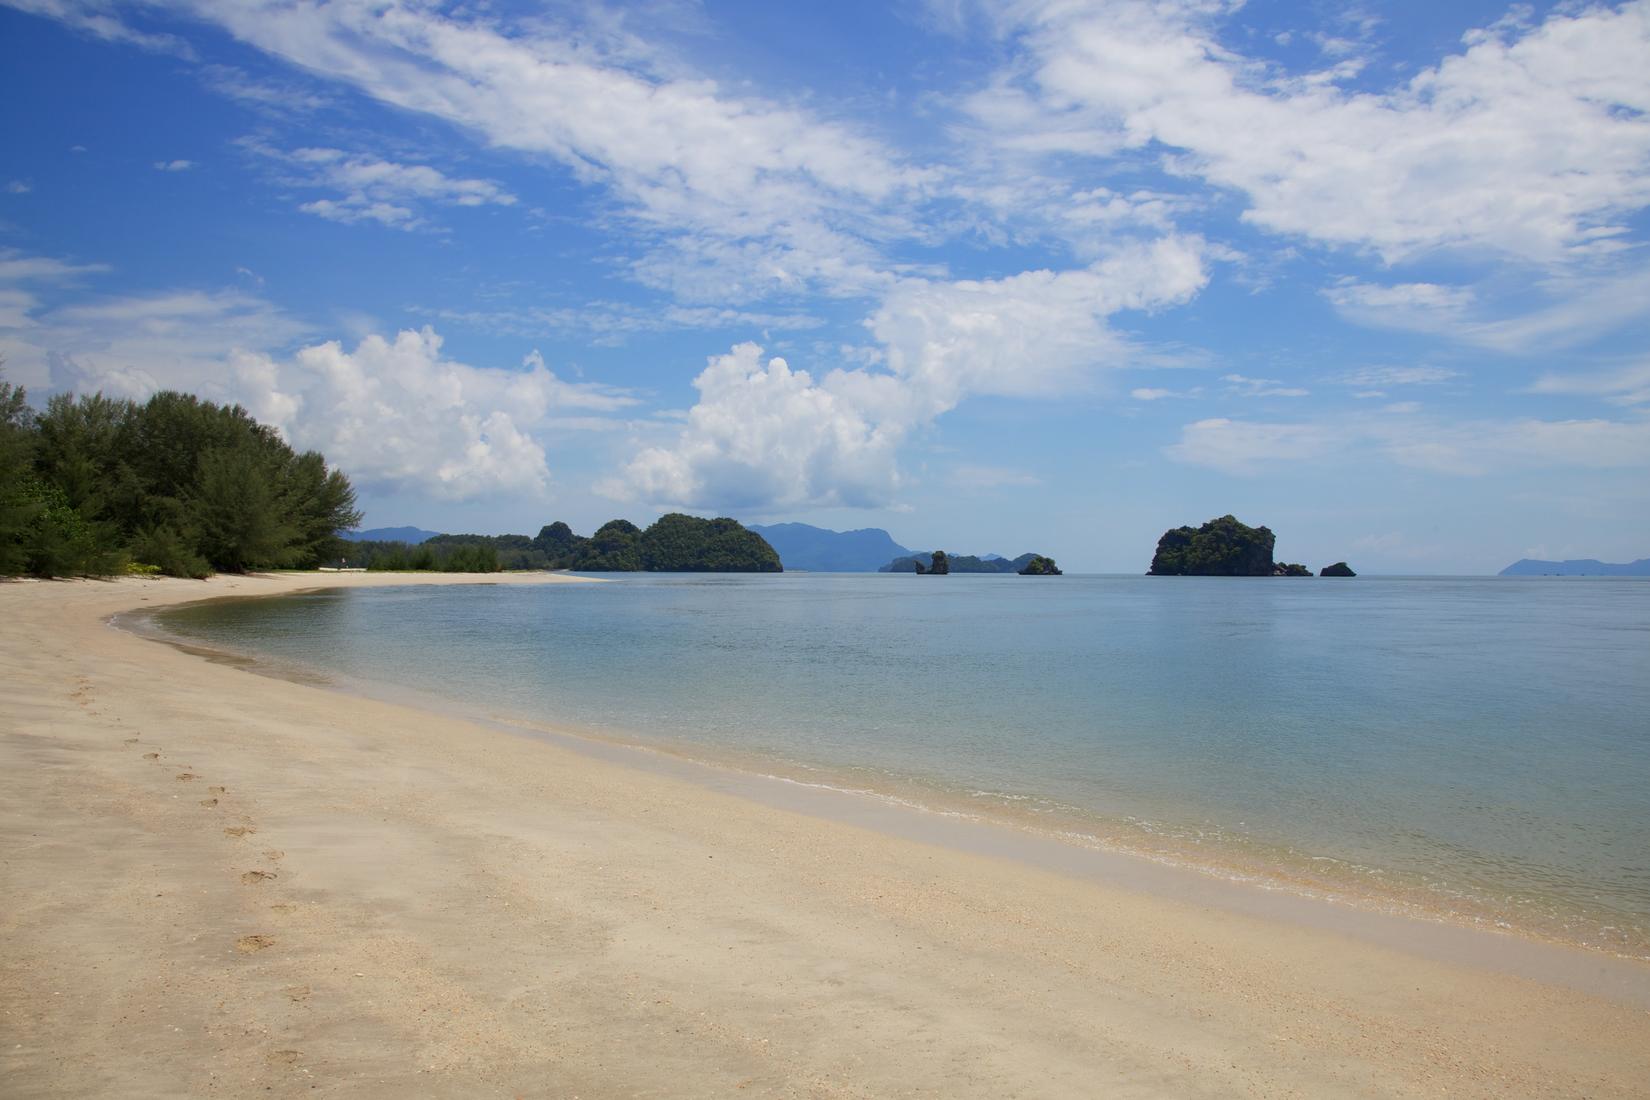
(398, 414)
(395, 413)
(1530, 141)
(764, 436)
(173, 165)
(126, 344)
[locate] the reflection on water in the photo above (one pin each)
(1480, 743)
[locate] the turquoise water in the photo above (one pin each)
(1479, 746)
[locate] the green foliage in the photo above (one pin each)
(178, 483)
(18, 506)
(678, 543)
(468, 554)
(1040, 566)
(960, 563)
(1290, 569)
(1222, 547)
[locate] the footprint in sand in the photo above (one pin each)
(285, 1057)
(209, 802)
(274, 855)
(132, 740)
(240, 830)
(218, 790)
(187, 776)
(251, 945)
(252, 878)
(151, 756)
(297, 992)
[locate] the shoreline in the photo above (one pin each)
(721, 940)
(1228, 872)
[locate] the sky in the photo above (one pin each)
(998, 277)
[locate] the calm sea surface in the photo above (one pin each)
(1479, 746)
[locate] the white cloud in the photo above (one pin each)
(1567, 307)
(970, 476)
(1398, 376)
(1529, 142)
(763, 436)
(100, 19)
(19, 187)
(1468, 448)
(397, 414)
(174, 165)
(685, 159)
(1248, 447)
(376, 190)
(1244, 386)
(1629, 385)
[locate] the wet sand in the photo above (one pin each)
(218, 883)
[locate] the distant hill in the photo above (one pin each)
(1585, 567)
(821, 550)
(409, 535)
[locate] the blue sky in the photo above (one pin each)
(997, 277)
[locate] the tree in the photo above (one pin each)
(18, 507)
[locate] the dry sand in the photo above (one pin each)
(217, 883)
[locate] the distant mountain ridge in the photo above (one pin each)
(821, 550)
(410, 535)
(1576, 567)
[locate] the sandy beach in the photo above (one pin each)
(218, 883)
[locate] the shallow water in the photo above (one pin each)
(1475, 745)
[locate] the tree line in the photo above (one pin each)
(675, 543)
(95, 485)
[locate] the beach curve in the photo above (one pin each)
(225, 883)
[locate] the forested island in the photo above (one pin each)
(960, 563)
(1227, 547)
(95, 486)
(675, 543)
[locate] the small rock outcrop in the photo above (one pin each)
(940, 565)
(1339, 569)
(1040, 566)
(1290, 569)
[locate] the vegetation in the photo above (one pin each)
(676, 543)
(94, 485)
(462, 554)
(1290, 569)
(1222, 547)
(939, 566)
(1040, 566)
(961, 563)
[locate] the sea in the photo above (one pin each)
(1469, 749)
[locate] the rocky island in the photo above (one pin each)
(675, 543)
(1227, 547)
(961, 563)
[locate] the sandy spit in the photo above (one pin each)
(214, 883)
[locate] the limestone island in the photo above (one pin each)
(1227, 547)
(942, 563)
